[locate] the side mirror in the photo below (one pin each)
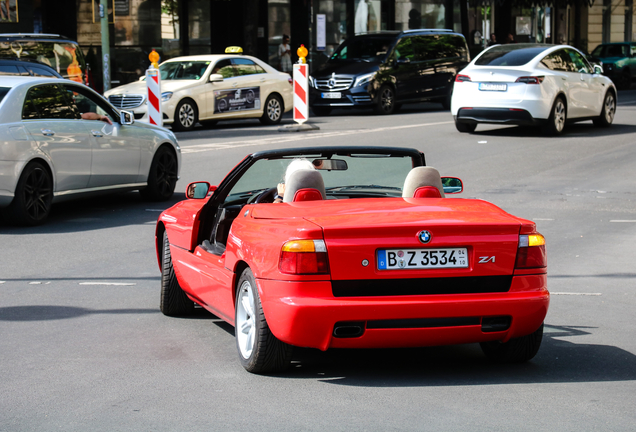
(199, 190)
(598, 69)
(452, 185)
(215, 78)
(126, 118)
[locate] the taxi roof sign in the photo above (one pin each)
(234, 50)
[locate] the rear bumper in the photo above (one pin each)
(305, 314)
(513, 116)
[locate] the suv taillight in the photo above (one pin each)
(462, 78)
(304, 257)
(531, 252)
(530, 79)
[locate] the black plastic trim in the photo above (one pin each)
(423, 323)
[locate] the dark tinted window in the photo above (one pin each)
(187, 70)
(48, 102)
(85, 101)
(444, 46)
(3, 92)
(9, 70)
(367, 49)
(66, 57)
(509, 55)
(225, 68)
(245, 66)
(578, 62)
(40, 71)
(557, 61)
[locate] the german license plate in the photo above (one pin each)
(331, 95)
(397, 259)
(492, 87)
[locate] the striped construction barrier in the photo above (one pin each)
(153, 82)
(301, 111)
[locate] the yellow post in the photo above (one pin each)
(302, 53)
(154, 59)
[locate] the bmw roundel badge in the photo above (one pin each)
(424, 236)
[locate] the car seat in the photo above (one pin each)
(304, 185)
(423, 182)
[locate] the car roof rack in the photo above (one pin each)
(34, 35)
(428, 30)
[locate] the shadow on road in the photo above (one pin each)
(96, 213)
(584, 129)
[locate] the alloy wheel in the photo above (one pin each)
(186, 115)
(245, 319)
(273, 109)
(610, 108)
(386, 99)
(166, 173)
(37, 194)
(559, 116)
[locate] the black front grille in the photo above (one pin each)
(423, 323)
(421, 286)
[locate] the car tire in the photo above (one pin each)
(273, 112)
(385, 101)
(557, 119)
(465, 127)
(607, 112)
(186, 115)
(33, 197)
(320, 111)
(174, 301)
(259, 350)
(518, 350)
(162, 177)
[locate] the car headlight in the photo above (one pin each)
(363, 79)
(165, 96)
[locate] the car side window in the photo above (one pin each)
(405, 49)
(10, 70)
(48, 102)
(555, 61)
(426, 48)
(40, 72)
(86, 102)
(579, 63)
(225, 68)
(245, 66)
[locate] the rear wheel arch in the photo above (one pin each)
(275, 93)
(161, 228)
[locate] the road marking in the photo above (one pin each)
(154, 210)
(108, 283)
(542, 219)
(35, 283)
(482, 142)
(623, 221)
(576, 294)
(197, 148)
(1, 282)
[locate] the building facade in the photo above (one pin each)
(187, 27)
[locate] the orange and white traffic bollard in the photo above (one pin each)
(301, 90)
(153, 83)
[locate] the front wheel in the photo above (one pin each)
(465, 127)
(174, 301)
(259, 350)
(385, 103)
(558, 116)
(162, 177)
(185, 116)
(607, 113)
(273, 112)
(518, 350)
(31, 203)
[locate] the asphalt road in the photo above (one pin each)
(83, 346)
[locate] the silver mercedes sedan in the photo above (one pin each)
(60, 140)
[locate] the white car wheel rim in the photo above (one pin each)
(245, 320)
(186, 115)
(273, 110)
(559, 116)
(610, 108)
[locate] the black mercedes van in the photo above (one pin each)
(386, 69)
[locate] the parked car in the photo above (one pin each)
(530, 84)
(387, 69)
(209, 88)
(59, 52)
(51, 153)
(619, 62)
(365, 251)
(26, 68)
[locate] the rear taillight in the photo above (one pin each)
(530, 79)
(304, 257)
(462, 78)
(531, 252)
(290, 81)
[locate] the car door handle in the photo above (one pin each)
(235, 85)
(262, 79)
(97, 134)
(47, 132)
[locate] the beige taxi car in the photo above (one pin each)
(209, 88)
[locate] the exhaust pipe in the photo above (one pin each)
(348, 329)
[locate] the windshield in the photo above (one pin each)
(367, 49)
(510, 55)
(3, 92)
(186, 70)
(66, 58)
(372, 175)
(610, 51)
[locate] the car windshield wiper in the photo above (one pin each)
(357, 187)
